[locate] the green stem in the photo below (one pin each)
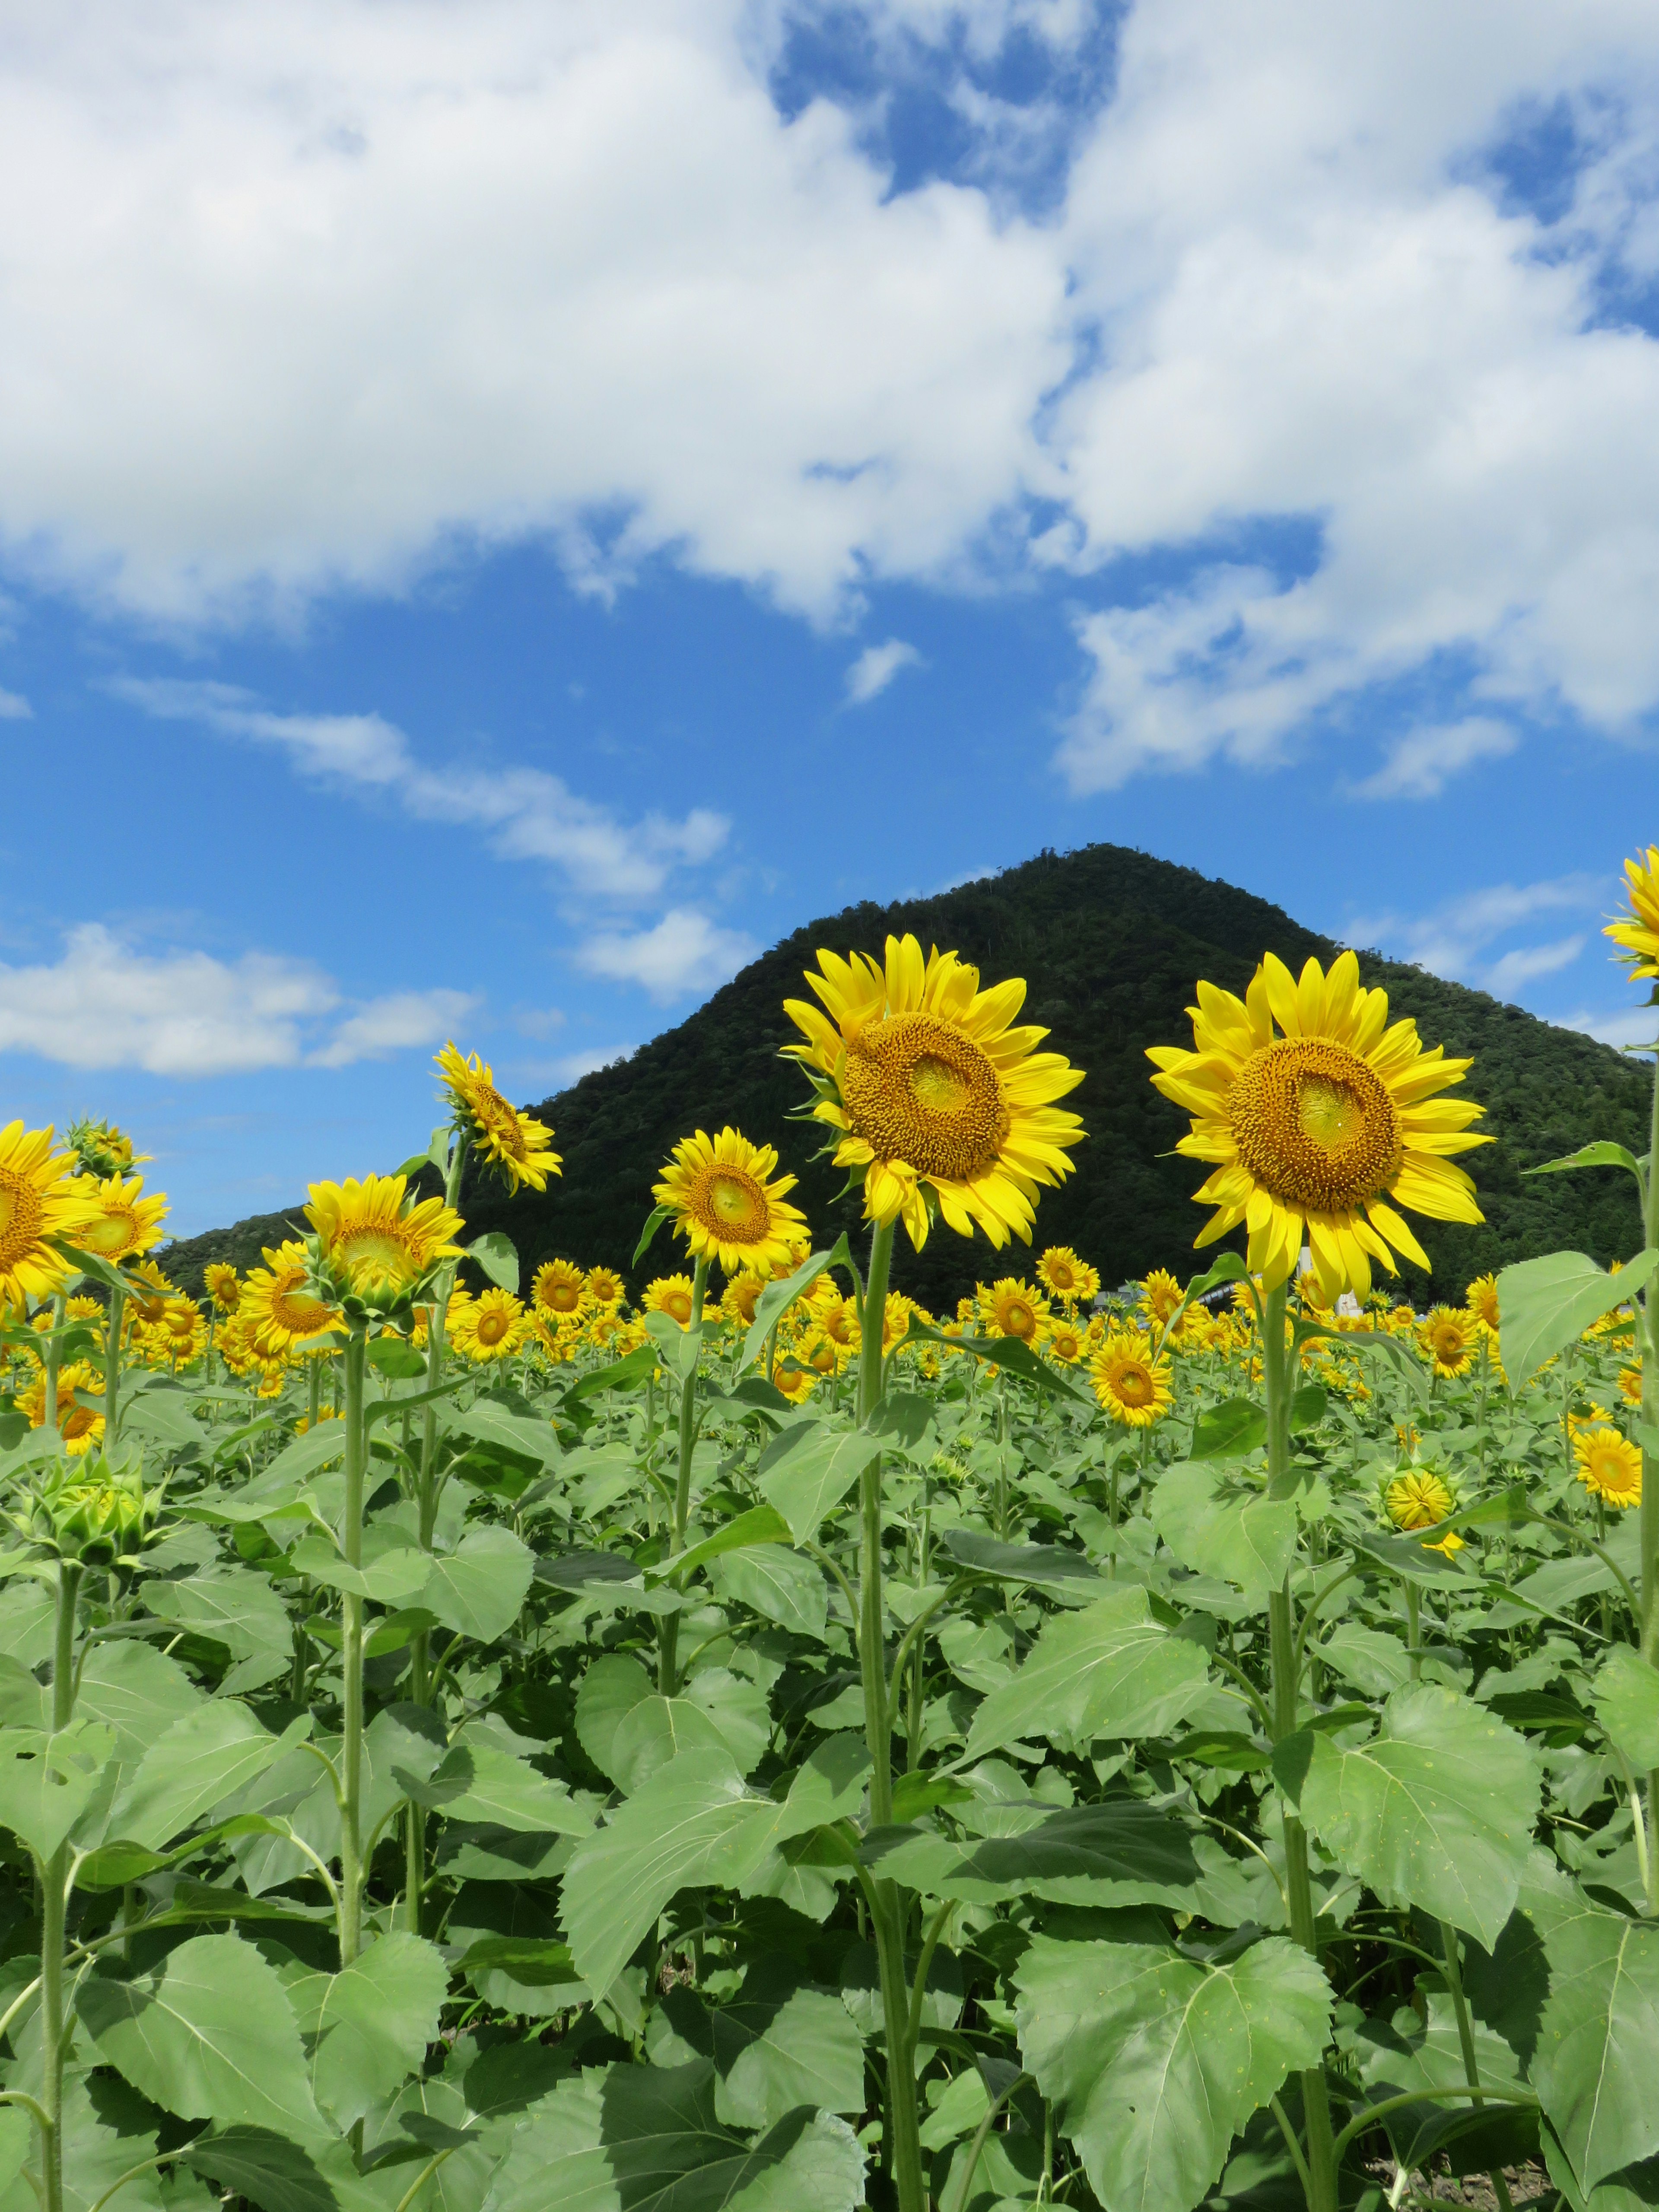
(54, 1901)
(351, 1657)
(668, 1646)
(1276, 1361)
(117, 1311)
(1414, 1631)
(54, 1356)
(1453, 1970)
(1650, 1505)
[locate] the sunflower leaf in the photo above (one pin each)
(498, 1257)
(1546, 1304)
(1603, 1154)
(775, 1300)
(654, 1222)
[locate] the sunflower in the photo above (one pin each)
(1418, 1499)
(741, 1297)
(1481, 1300)
(40, 1203)
(606, 1288)
(122, 1221)
(377, 1243)
(557, 1338)
(1448, 1339)
(895, 1318)
(1315, 1112)
(602, 1326)
(1071, 1280)
(671, 1295)
(1629, 1385)
(942, 1103)
(1638, 931)
(180, 1334)
(517, 1146)
(488, 1327)
(79, 1426)
(823, 1354)
(277, 1310)
(795, 1382)
(1610, 1465)
(725, 1206)
(559, 1287)
(1133, 1388)
(841, 1324)
(1010, 1308)
(148, 1297)
(1160, 1294)
(1066, 1342)
(222, 1285)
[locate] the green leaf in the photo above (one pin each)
(808, 1469)
(610, 1689)
(478, 1590)
(775, 1300)
(1626, 1700)
(1249, 1540)
(535, 1961)
(654, 1222)
(732, 1718)
(779, 1585)
(498, 1424)
(210, 2036)
(267, 2169)
(391, 1355)
(498, 1257)
(1046, 1565)
(137, 1691)
(1593, 2069)
(775, 2047)
(1602, 1154)
(624, 1374)
(1117, 1853)
(1007, 1352)
(397, 1574)
(1436, 1811)
(205, 1757)
(47, 1781)
(761, 1524)
(1109, 1671)
(1230, 1429)
(475, 1780)
(234, 1607)
(1544, 1306)
(1155, 2063)
(371, 2022)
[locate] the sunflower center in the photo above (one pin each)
(21, 1216)
(1018, 1320)
(110, 1234)
(732, 1206)
(677, 1304)
(564, 1298)
(919, 1091)
(492, 1327)
(1133, 1384)
(501, 1120)
(377, 1253)
(301, 1316)
(1315, 1125)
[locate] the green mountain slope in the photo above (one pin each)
(1111, 942)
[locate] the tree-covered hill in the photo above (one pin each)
(1111, 942)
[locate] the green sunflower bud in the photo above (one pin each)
(97, 1513)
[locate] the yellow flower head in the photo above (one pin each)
(823, 1354)
(1448, 1339)
(1160, 1294)
(1637, 932)
(1629, 1385)
(374, 1241)
(277, 1310)
(1610, 1465)
(1071, 1280)
(741, 1297)
(489, 1328)
(1010, 1308)
(517, 1146)
(122, 1221)
(1066, 1342)
(942, 1103)
(41, 1201)
(79, 1426)
(794, 1381)
(606, 1288)
(559, 1288)
(1320, 1120)
(146, 1303)
(895, 1318)
(222, 1286)
(1133, 1388)
(673, 1295)
(728, 1206)
(1418, 1499)
(840, 1324)
(179, 1335)
(1481, 1300)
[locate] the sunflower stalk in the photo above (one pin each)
(351, 1654)
(1648, 1509)
(53, 1359)
(668, 1645)
(117, 1311)
(53, 1877)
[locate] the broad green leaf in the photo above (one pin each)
(1117, 1853)
(1372, 1661)
(610, 1690)
(47, 1781)
(775, 1300)
(396, 1575)
(761, 1524)
(624, 1374)
(498, 1424)
(267, 2169)
(1544, 1306)
(371, 2022)
(479, 1588)
(1229, 1431)
(807, 1469)
(1602, 1154)
(237, 1607)
(1249, 1540)
(774, 2047)
(779, 1585)
(499, 1791)
(1594, 2066)
(137, 1691)
(1110, 1671)
(1003, 1351)
(498, 1257)
(210, 2036)
(658, 1730)
(1051, 1566)
(1627, 1701)
(164, 1415)
(1436, 1811)
(202, 1758)
(101, 2143)
(1155, 2063)
(393, 1357)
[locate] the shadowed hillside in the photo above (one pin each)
(1111, 942)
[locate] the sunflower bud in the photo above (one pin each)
(97, 1512)
(103, 1151)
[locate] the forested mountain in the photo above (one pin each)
(1111, 942)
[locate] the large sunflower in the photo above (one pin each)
(121, 1221)
(492, 1326)
(1314, 1111)
(559, 1287)
(1135, 1389)
(942, 1103)
(1010, 1308)
(39, 1202)
(728, 1206)
(1447, 1338)
(671, 1295)
(517, 1145)
(276, 1309)
(1637, 932)
(1610, 1465)
(376, 1242)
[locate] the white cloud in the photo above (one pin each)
(875, 667)
(1528, 961)
(1622, 1027)
(531, 815)
(107, 1004)
(685, 953)
(1453, 939)
(1421, 762)
(14, 708)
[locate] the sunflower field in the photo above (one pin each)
(729, 1740)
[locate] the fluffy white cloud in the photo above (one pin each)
(1623, 1027)
(685, 953)
(875, 667)
(531, 815)
(1422, 762)
(1455, 939)
(107, 1004)
(14, 708)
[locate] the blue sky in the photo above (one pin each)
(503, 517)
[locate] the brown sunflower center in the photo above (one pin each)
(1315, 1125)
(1018, 1320)
(299, 1315)
(500, 1119)
(918, 1091)
(677, 1304)
(21, 1215)
(75, 1421)
(1062, 1275)
(492, 1326)
(1133, 1384)
(563, 1298)
(730, 1204)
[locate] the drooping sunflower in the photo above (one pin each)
(1070, 1279)
(375, 1242)
(146, 1299)
(277, 1310)
(606, 1288)
(1320, 1120)
(223, 1285)
(669, 1294)
(1012, 1308)
(1629, 1385)
(1135, 1389)
(41, 1201)
(942, 1103)
(1481, 1300)
(488, 1327)
(1610, 1465)
(517, 1146)
(1638, 931)
(121, 1221)
(1447, 1338)
(1160, 1294)
(729, 1205)
(559, 1287)
(1421, 1500)
(741, 1297)
(81, 1426)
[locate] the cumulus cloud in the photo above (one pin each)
(1626, 1028)
(528, 814)
(685, 953)
(1423, 761)
(875, 667)
(1455, 939)
(14, 708)
(106, 1004)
